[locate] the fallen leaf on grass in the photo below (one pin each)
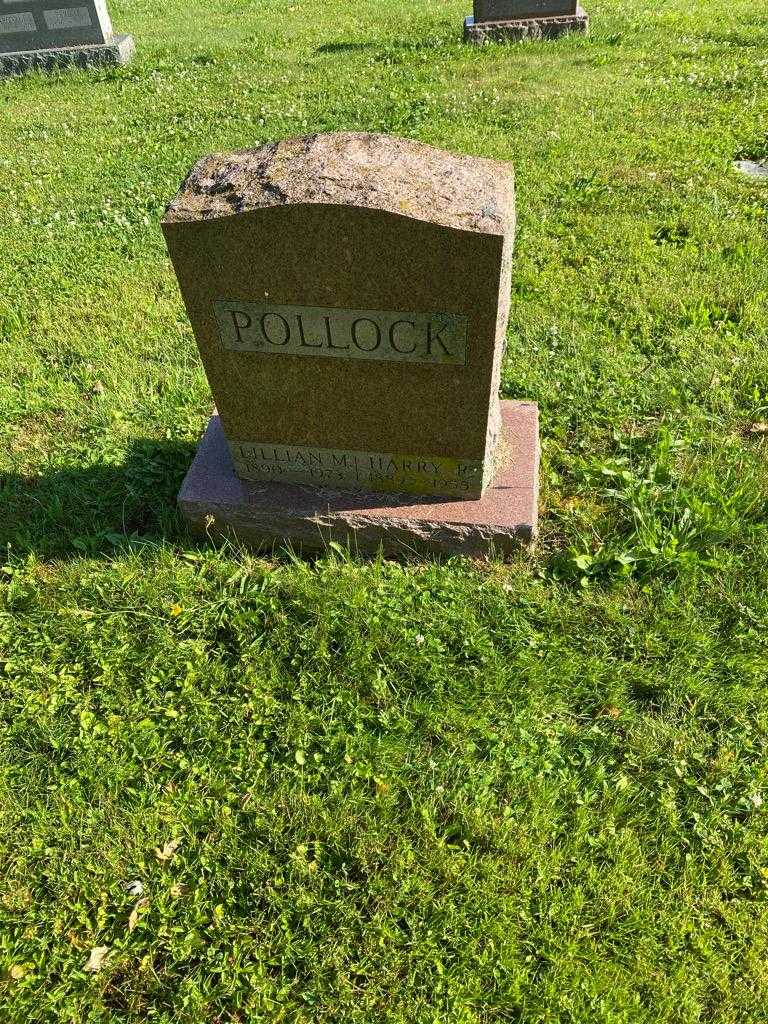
(609, 712)
(757, 429)
(179, 890)
(133, 918)
(96, 960)
(168, 850)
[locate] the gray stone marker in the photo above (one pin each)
(499, 20)
(349, 294)
(47, 34)
(757, 171)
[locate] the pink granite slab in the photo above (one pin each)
(216, 502)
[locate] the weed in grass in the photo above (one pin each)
(661, 522)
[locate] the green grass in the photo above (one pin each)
(457, 793)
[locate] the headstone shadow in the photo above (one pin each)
(382, 46)
(342, 47)
(71, 511)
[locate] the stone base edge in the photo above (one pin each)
(525, 28)
(216, 503)
(118, 50)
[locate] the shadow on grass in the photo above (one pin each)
(94, 510)
(349, 46)
(73, 511)
(345, 47)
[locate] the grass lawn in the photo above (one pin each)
(361, 791)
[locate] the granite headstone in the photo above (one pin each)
(53, 33)
(349, 295)
(752, 169)
(498, 20)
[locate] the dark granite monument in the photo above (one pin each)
(499, 20)
(48, 34)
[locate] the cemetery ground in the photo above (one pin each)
(358, 790)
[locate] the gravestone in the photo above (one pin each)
(349, 296)
(499, 20)
(752, 169)
(46, 34)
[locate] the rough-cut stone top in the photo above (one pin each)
(380, 172)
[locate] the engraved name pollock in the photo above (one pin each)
(342, 333)
(334, 467)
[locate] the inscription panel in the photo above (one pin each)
(68, 17)
(333, 333)
(22, 21)
(334, 467)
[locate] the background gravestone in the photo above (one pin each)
(520, 19)
(51, 33)
(349, 295)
